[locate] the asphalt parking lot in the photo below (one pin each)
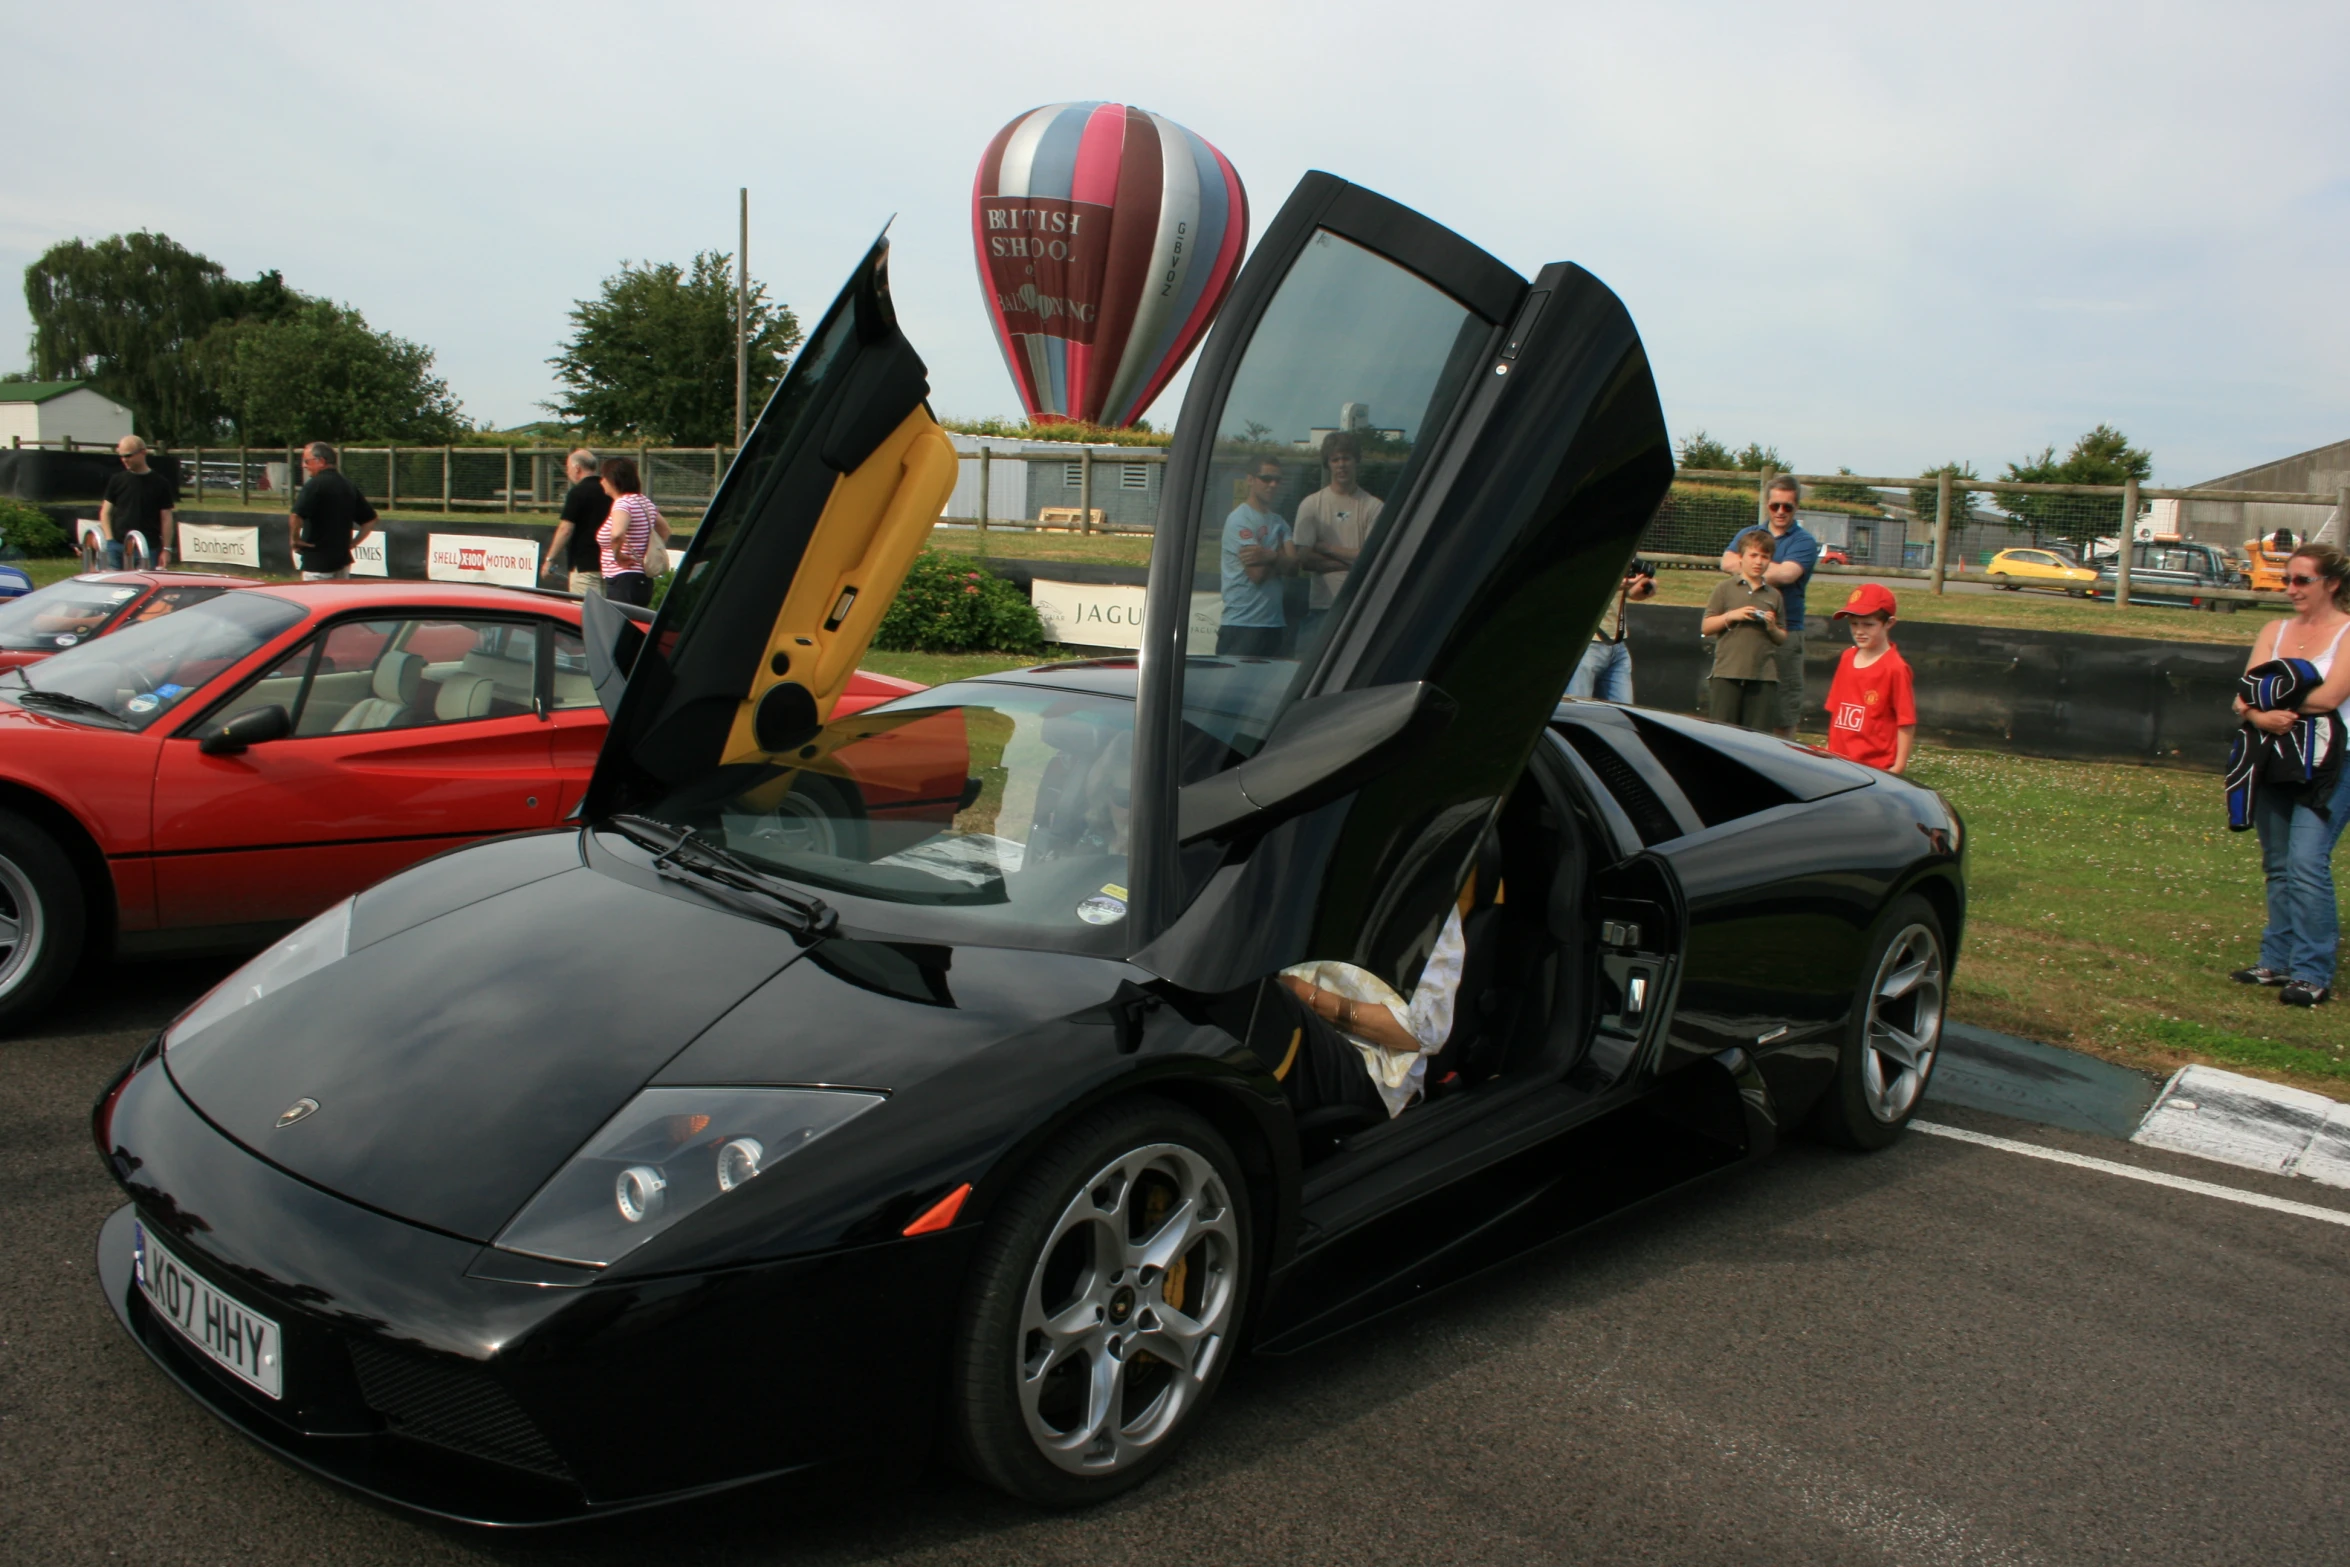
(1943, 1353)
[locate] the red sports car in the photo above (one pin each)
(205, 778)
(66, 614)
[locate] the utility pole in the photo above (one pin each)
(742, 340)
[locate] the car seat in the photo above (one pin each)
(398, 678)
(464, 696)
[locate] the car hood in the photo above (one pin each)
(473, 1038)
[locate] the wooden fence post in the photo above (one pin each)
(391, 477)
(2129, 544)
(983, 501)
(1085, 489)
(1942, 492)
(509, 479)
(199, 475)
(448, 478)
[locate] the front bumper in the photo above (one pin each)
(505, 1404)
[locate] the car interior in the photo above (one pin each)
(401, 674)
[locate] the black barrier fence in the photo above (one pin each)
(32, 474)
(2069, 694)
(2065, 694)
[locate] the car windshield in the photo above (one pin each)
(1008, 804)
(144, 672)
(64, 613)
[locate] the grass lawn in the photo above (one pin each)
(1108, 549)
(2106, 906)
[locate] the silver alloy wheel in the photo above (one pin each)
(1126, 1311)
(1904, 1024)
(20, 925)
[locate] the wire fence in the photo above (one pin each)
(1935, 525)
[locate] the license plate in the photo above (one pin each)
(241, 1340)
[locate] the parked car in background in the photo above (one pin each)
(2180, 572)
(2039, 568)
(66, 614)
(205, 777)
(1832, 556)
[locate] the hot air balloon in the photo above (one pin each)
(1107, 236)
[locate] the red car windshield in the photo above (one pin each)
(64, 613)
(144, 672)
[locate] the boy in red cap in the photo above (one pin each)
(1872, 711)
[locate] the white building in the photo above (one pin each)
(54, 411)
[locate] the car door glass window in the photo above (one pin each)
(573, 685)
(1009, 804)
(1354, 366)
(411, 674)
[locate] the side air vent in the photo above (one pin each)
(1650, 819)
(452, 1405)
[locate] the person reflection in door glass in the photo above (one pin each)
(1333, 522)
(1256, 553)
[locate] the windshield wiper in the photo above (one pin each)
(677, 852)
(69, 702)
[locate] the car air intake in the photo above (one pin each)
(452, 1405)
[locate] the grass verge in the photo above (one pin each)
(2025, 610)
(2106, 906)
(936, 669)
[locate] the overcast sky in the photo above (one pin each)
(1877, 236)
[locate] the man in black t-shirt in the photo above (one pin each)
(137, 499)
(585, 506)
(325, 515)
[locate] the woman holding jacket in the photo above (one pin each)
(2298, 833)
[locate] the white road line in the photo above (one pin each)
(2132, 1173)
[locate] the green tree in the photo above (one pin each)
(322, 373)
(652, 356)
(2103, 456)
(124, 312)
(1925, 496)
(1701, 450)
(1857, 494)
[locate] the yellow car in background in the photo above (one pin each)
(2014, 569)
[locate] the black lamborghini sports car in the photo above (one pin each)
(850, 1090)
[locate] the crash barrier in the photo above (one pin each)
(2074, 695)
(39, 474)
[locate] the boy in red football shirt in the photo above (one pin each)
(1872, 712)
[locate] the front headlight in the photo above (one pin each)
(324, 940)
(666, 1153)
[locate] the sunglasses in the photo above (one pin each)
(1266, 478)
(2299, 581)
(1779, 506)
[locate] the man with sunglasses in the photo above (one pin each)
(138, 500)
(1795, 555)
(1256, 554)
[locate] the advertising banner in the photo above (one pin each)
(464, 557)
(368, 559)
(214, 544)
(1089, 614)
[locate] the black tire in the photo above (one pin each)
(1895, 1036)
(1056, 1289)
(44, 919)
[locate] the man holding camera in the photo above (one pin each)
(1606, 670)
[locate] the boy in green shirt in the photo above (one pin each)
(1746, 618)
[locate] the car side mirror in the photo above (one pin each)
(247, 729)
(1322, 748)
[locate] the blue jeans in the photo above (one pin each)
(1605, 673)
(2297, 858)
(114, 554)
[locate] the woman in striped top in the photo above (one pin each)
(628, 533)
